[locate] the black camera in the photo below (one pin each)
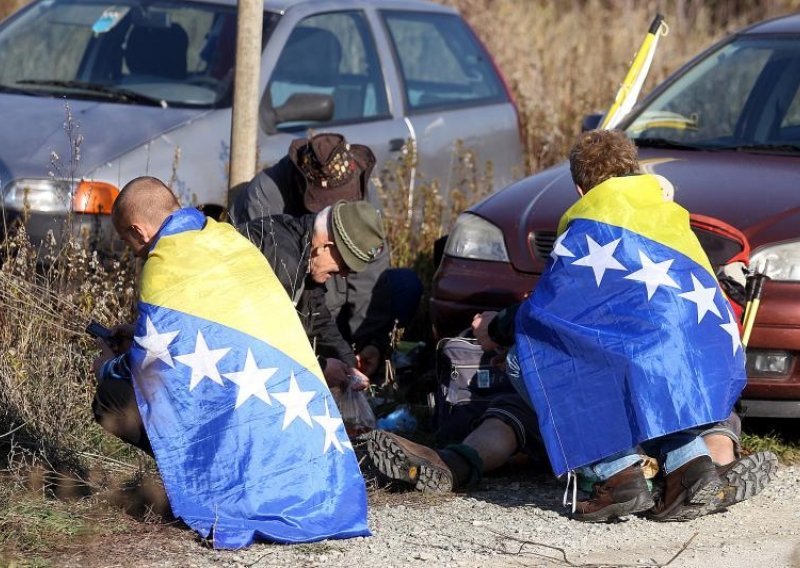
(100, 331)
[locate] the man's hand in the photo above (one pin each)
(369, 358)
(107, 353)
(337, 373)
(122, 337)
(358, 380)
(480, 329)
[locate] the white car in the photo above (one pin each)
(96, 92)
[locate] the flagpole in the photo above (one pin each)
(634, 80)
(751, 309)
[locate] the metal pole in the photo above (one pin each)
(244, 124)
(751, 309)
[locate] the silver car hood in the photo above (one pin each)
(34, 137)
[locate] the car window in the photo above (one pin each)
(332, 54)
(743, 94)
(442, 63)
(790, 125)
(55, 50)
(178, 52)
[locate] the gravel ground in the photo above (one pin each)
(509, 521)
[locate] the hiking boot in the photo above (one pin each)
(621, 494)
(691, 491)
(403, 460)
(745, 477)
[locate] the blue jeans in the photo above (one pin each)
(672, 451)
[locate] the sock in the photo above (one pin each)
(464, 462)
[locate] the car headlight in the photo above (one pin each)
(474, 237)
(60, 196)
(779, 262)
(38, 195)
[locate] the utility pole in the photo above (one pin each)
(244, 125)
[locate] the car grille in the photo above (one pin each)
(541, 243)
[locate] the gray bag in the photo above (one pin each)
(468, 378)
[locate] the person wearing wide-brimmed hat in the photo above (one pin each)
(317, 172)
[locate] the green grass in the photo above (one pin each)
(33, 526)
(788, 451)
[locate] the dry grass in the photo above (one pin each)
(564, 59)
(7, 7)
(46, 382)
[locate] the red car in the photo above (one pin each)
(725, 130)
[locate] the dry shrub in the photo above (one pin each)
(564, 60)
(7, 7)
(47, 297)
(418, 211)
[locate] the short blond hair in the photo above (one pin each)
(598, 155)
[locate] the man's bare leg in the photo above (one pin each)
(494, 441)
(721, 448)
(487, 447)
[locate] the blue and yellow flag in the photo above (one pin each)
(627, 336)
(247, 437)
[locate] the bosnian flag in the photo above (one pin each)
(627, 335)
(247, 437)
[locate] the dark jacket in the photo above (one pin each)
(361, 304)
(285, 241)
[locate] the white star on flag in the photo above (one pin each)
(559, 249)
(156, 345)
(653, 274)
(330, 425)
(732, 329)
(703, 298)
(600, 258)
(203, 362)
(296, 403)
(251, 380)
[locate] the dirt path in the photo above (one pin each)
(509, 522)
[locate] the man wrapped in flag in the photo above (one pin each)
(627, 340)
(229, 397)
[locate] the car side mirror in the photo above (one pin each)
(304, 107)
(591, 121)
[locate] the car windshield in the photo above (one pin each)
(743, 96)
(159, 52)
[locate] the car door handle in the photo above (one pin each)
(396, 144)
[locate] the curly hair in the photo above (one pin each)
(598, 155)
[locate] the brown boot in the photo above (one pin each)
(403, 460)
(621, 494)
(691, 491)
(745, 477)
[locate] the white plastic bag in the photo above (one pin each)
(356, 412)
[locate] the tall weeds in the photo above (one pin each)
(49, 291)
(7, 7)
(46, 383)
(566, 59)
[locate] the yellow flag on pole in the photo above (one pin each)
(632, 85)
